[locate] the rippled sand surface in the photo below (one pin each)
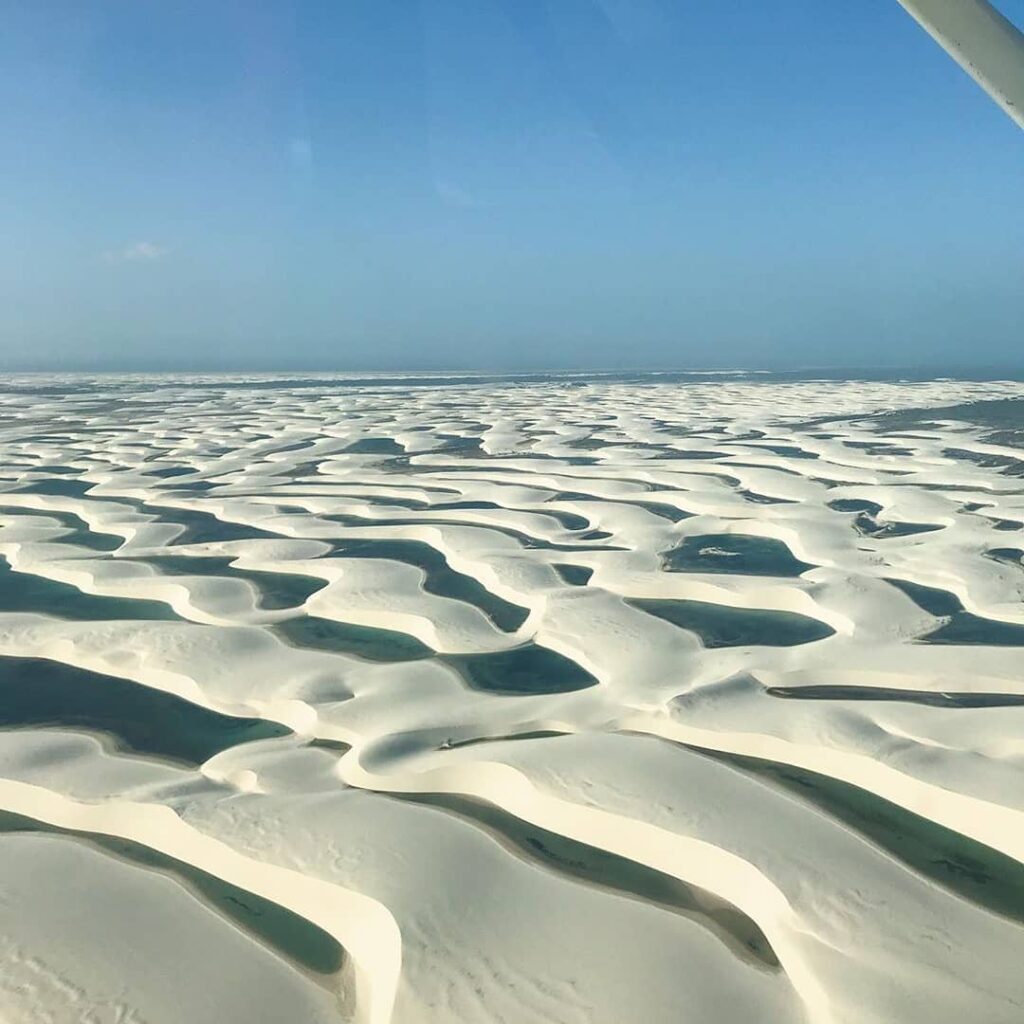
(530, 700)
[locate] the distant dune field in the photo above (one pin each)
(543, 700)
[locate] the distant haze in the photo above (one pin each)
(379, 184)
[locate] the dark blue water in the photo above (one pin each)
(721, 626)
(35, 692)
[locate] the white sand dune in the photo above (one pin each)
(559, 700)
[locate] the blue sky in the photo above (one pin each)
(500, 184)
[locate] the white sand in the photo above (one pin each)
(443, 919)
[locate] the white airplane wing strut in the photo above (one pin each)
(984, 43)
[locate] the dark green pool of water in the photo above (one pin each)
(56, 486)
(1007, 525)
(536, 734)
(196, 486)
(722, 626)
(368, 642)
(965, 628)
(683, 454)
(962, 627)
(25, 592)
(734, 553)
(574, 575)
(883, 693)
(878, 448)
(931, 599)
(872, 508)
(788, 451)
(869, 527)
(1007, 556)
(375, 446)
(37, 692)
(61, 470)
(529, 669)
